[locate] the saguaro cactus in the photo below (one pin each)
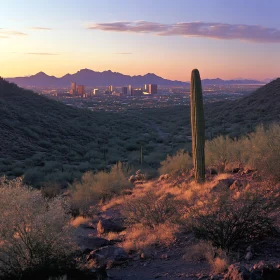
(198, 127)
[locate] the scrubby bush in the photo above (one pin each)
(151, 210)
(181, 161)
(259, 150)
(216, 257)
(35, 233)
(264, 151)
(227, 220)
(100, 186)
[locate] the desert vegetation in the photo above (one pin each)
(48, 142)
(35, 234)
(89, 218)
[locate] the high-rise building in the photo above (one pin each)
(146, 86)
(111, 88)
(124, 91)
(129, 90)
(81, 90)
(73, 89)
(95, 91)
(152, 89)
(137, 92)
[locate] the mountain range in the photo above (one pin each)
(92, 78)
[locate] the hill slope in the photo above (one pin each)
(242, 115)
(43, 138)
(49, 141)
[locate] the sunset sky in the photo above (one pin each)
(222, 38)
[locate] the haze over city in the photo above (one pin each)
(236, 39)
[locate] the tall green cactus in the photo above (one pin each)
(198, 127)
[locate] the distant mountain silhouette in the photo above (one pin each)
(91, 78)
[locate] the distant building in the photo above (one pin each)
(116, 93)
(73, 89)
(124, 91)
(81, 90)
(129, 90)
(96, 92)
(137, 92)
(111, 88)
(146, 86)
(152, 89)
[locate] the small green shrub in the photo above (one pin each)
(181, 161)
(101, 186)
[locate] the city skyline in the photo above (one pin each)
(169, 38)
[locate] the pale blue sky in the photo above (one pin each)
(70, 45)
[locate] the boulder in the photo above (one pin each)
(265, 271)
(110, 225)
(222, 185)
(91, 243)
(107, 257)
(237, 185)
(237, 272)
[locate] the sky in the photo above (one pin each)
(222, 38)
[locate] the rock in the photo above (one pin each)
(132, 179)
(92, 243)
(237, 272)
(248, 256)
(216, 277)
(107, 256)
(236, 170)
(249, 253)
(222, 185)
(263, 271)
(237, 185)
(110, 225)
(204, 277)
(247, 171)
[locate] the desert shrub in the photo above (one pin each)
(34, 232)
(259, 150)
(219, 152)
(50, 190)
(100, 186)
(227, 221)
(264, 151)
(216, 257)
(181, 161)
(151, 210)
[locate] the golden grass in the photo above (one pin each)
(219, 265)
(139, 238)
(79, 221)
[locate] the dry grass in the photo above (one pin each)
(76, 222)
(143, 239)
(204, 251)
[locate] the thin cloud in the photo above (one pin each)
(4, 37)
(223, 31)
(12, 33)
(41, 28)
(124, 53)
(42, 53)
